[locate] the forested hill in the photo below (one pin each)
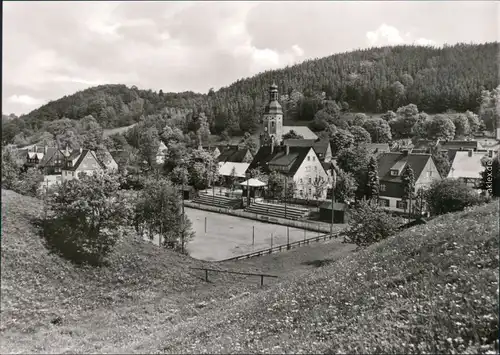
(371, 80)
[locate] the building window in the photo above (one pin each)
(394, 173)
(401, 205)
(383, 202)
(308, 158)
(57, 170)
(314, 158)
(315, 168)
(300, 181)
(382, 188)
(310, 180)
(430, 173)
(301, 192)
(272, 124)
(309, 191)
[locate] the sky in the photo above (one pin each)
(52, 49)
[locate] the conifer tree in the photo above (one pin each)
(408, 178)
(373, 188)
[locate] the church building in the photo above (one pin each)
(298, 162)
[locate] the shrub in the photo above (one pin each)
(370, 224)
(158, 212)
(450, 195)
(87, 216)
(29, 183)
(10, 169)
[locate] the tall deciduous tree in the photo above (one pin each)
(345, 186)
(355, 160)
(474, 122)
(340, 140)
(319, 185)
(149, 142)
(360, 135)
(462, 127)
(158, 212)
(441, 127)
(275, 185)
(379, 130)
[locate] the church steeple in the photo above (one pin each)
(273, 119)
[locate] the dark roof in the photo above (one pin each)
(232, 154)
(294, 159)
(460, 145)
(48, 156)
(377, 147)
(387, 160)
(76, 153)
(320, 146)
(273, 107)
(423, 144)
(121, 157)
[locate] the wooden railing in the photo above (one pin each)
(234, 272)
(283, 247)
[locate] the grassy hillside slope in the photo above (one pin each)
(121, 308)
(430, 289)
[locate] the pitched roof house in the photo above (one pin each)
(234, 154)
(390, 169)
(322, 147)
(376, 148)
(467, 166)
(225, 169)
(161, 153)
(81, 161)
(302, 164)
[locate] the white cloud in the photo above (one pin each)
(298, 51)
(390, 35)
(25, 100)
(67, 79)
(425, 42)
(384, 35)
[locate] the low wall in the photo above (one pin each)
(312, 226)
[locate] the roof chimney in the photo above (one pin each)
(45, 149)
(81, 150)
(470, 152)
(287, 149)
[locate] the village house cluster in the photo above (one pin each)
(304, 161)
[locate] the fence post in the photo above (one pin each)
(205, 224)
(261, 280)
(206, 275)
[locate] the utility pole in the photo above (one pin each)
(182, 218)
(248, 190)
(287, 237)
(334, 180)
(285, 196)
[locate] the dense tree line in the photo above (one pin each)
(371, 80)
